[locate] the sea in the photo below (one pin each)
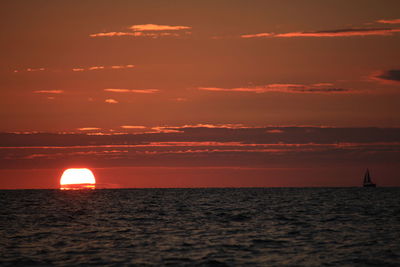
(201, 227)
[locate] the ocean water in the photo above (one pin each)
(201, 227)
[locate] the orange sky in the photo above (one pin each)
(150, 68)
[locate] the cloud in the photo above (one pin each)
(165, 129)
(209, 133)
(389, 76)
(115, 34)
(392, 75)
(206, 154)
(156, 27)
(265, 34)
(113, 67)
(38, 69)
(146, 30)
(88, 129)
(81, 69)
(30, 70)
(139, 91)
(323, 84)
(282, 88)
(136, 34)
(111, 101)
(132, 127)
(275, 131)
(321, 90)
(330, 33)
(389, 21)
(118, 90)
(178, 129)
(203, 145)
(116, 67)
(49, 92)
(343, 32)
(213, 126)
(96, 68)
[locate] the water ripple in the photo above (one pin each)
(201, 227)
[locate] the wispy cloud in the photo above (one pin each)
(96, 68)
(136, 34)
(220, 125)
(113, 67)
(209, 132)
(257, 35)
(275, 131)
(282, 88)
(210, 149)
(88, 129)
(115, 34)
(138, 91)
(164, 129)
(78, 69)
(147, 30)
(30, 70)
(203, 145)
(111, 101)
(202, 125)
(323, 84)
(38, 69)
(389, 21)
(133, 127)
(156, 27)
(330, 33)
(117, 67)
(49, 91)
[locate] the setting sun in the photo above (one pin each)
(77, 178)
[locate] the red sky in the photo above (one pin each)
(200, 93)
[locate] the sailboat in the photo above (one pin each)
(367, 180)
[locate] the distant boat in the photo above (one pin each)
(367, 180)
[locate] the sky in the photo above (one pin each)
(200, 93)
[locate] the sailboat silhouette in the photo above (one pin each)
(367, 180)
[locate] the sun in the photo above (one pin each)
(77, 178)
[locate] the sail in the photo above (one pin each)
(367, 178)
